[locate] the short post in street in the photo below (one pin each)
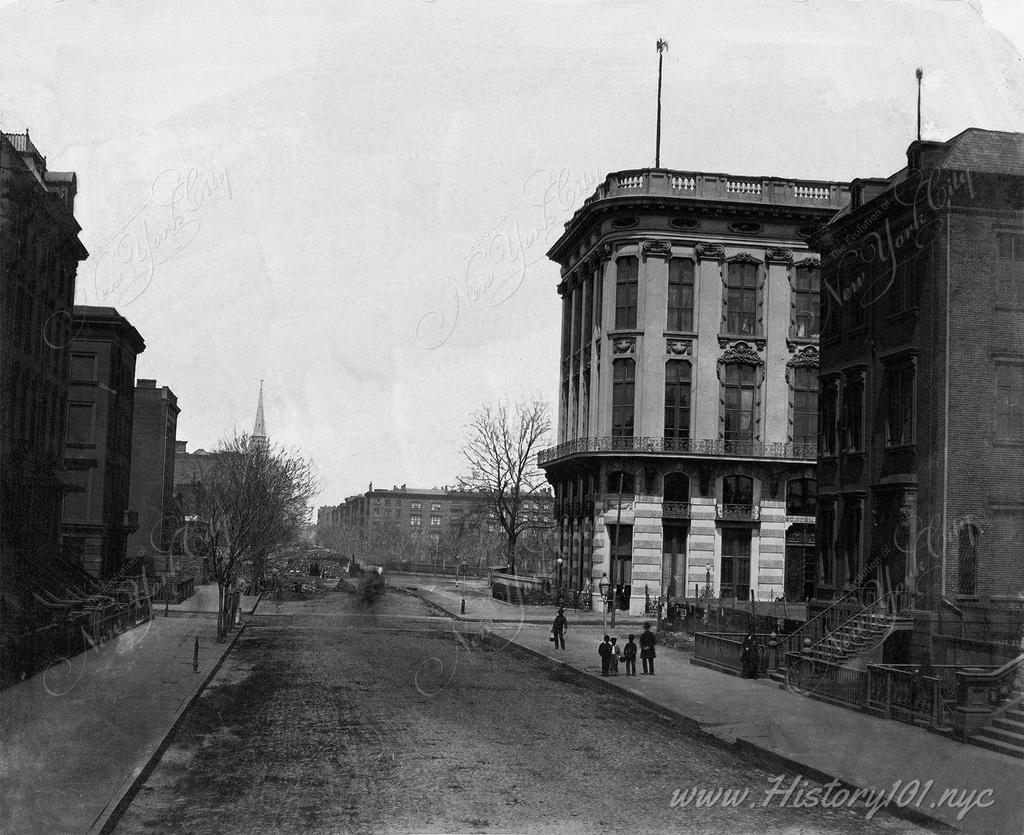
(195, 657)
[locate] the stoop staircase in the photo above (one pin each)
(1005, 734)
(848, 633)
(854, 639)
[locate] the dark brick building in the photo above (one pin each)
(39, 255)
(98, 449)
(154, 425)
(921, 457)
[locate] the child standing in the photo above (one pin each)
(616, 652)
(629, 656)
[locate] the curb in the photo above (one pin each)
(739, 745)
(118, 805)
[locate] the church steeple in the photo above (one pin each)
(259, 429)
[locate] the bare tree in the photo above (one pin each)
(248, 499)
(501, 452)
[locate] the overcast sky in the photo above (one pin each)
(352, 201)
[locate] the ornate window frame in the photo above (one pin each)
(761, 273)
(743, 353)
(808, 357)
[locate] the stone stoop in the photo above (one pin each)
(1005, 735)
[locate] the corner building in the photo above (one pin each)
(689, 382)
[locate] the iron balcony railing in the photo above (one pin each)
(739, 512)
(675, 510)
(684, 446)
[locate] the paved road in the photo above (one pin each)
(329, 718)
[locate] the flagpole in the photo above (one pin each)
(920, 73)
(662, 46)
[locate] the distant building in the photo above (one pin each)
(151, 493)
(921, 465)
(688, 384)
(39, 255)
(96, 518)
(424, 511)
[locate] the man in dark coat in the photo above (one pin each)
(605, 651)
(558, 629)
(750, 658)
(629, 656)
(647, 642)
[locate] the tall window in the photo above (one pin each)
(677, 487)
(598, 296)
(906, 281)
(1010, 267)
(740, 383)
(1010, 402)
(680, 294)
(967, 573)
(81, 428)
(805, 405)
(806, 302)
(588, 310)
(850, 537)
(566, 324)
(577, 318)
(623, 389)
(900, 404)
(829, 397)
(677, 399)
(735, 563)
(802, 497)
(673, 560)
(853, 281)
(738, 490)
(827, 549)
(625, 293)
(741, 299)
(853, 413)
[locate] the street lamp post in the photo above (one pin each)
(558, 562)
(603, 587)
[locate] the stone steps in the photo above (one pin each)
(1005, 734)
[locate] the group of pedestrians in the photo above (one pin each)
(611, 653)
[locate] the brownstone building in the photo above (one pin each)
(39, 256)
(151, 494)
(921, 457)
(96, 517)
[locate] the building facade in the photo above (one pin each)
(151, 493)
(430, 511)
(96, 518)
(921, 464)
(398, 523)
(687, 423)
(39, 256)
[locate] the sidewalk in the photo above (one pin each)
(73, 739)
(203, 601)
(480, 606)
(817, 739)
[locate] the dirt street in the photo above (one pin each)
(329, 718)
